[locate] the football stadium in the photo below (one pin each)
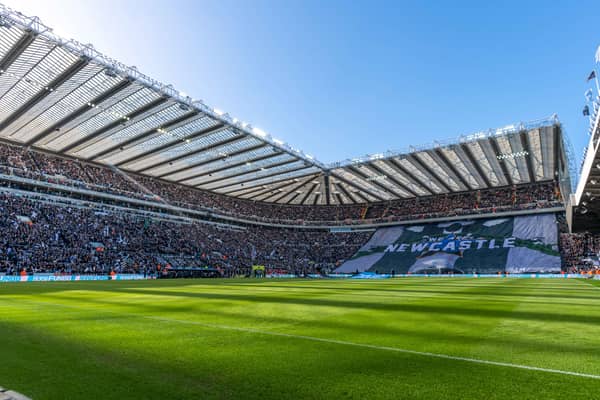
(156, 247)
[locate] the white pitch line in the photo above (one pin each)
(331, 341)
(375, 347)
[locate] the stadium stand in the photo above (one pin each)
(41, 236)
(128, 241)
(132, 174)
(580, 252)
(139, 243)
(19, 161)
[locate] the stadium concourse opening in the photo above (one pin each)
(109, 175)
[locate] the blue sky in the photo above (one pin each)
(343, 79)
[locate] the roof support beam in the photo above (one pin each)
(451, 167)
(346, 193)
(334, 193)
(546, 155)
(391, 178)
(204, 149)
(262, 190)
(279, 164)
(354, 185)
(327, 190)
(308, 193)
(273, 195)
(171, 145)
(316, 199)
(365, 177)
(201, 163)
(80, 111)
(417, 181)
(82, 142)
(293, 189)
(260, 177)
(536, 158)
(528, 156)
(362, 197)
(139, 139)
(502, 162)
(557, 152)
(429, 172)
(283, 193)
(339, 199)
(475, 164)
(246, 191)
(17, 49)
(286, 180)
(521, 166)
(43, 93)
(213, 171)
(292, 199)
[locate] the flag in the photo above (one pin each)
(592, 75)
(589, 95)
(598, 55)
(586, 111)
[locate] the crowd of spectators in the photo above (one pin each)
(580, 252)
(40, 236)
(532, 196)
(24, 162)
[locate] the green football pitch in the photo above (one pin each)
(294, 339)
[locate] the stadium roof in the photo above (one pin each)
(65, 97)
(586, 212)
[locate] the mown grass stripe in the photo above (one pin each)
(376, 347)
(324, 340)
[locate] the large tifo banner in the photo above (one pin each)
(523, 244)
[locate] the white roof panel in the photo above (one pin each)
(66, 97)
